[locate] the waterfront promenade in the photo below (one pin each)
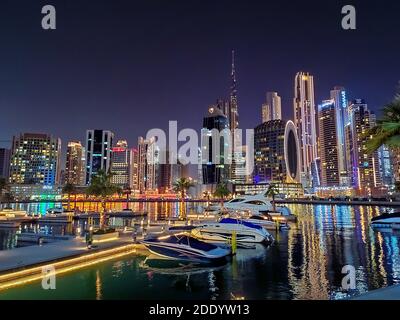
(28, 264)
(19, 258)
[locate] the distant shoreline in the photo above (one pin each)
(343, 202)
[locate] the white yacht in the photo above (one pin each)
(267, 222)
(253, 204)
(11, 213)
(55, 210)
(256, 204)
(223, 231)
(387, 220)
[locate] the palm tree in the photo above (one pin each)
(181, 186)
(272, 191)
(387, 130)
(69, 189)
(101, 186)
(127, 191)
(222, 192)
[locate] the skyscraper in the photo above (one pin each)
(386, 166)
(305, 122)
(272, 109)
(5, 155)
(165, 181)
(339, 97)
(233, 123)
(328, 144)
(212, 172)
(276, 152)
(233, 100)
(122, 165)
(35, 159)
(366, 177)
(75, 164)
(98, 152)
(395, 154)
(148, 164)
(135, 170)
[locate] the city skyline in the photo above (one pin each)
(85, 77)
(207, 152)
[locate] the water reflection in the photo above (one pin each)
(305, 262)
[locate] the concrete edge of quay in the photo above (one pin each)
(31, 272)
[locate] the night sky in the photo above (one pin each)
(130, 66)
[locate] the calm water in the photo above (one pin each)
(304, 263)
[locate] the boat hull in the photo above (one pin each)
(387, 223)
(218, 234)
(269, 225)
(185, 252)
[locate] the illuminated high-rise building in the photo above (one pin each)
(212, 172)
(233, 123)
(122, 165)
(148, 164)
(305, 122)
(328, 138)
(233, 115)
(168, 172)
(98, 152)
(386, 167)
(339, 97)
(75, 164)
(135, 170)
(272, 109)
(366, 175)
(276, 152)
(395, 157)
(35, 159)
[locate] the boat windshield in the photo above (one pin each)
(191, 242)
(236, 200)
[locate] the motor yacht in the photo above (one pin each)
(185, 247)
(225, 228)
(267, 222)
(255, 205)
(387, 220)
(10, 213)
(249, 203)
(58, 210)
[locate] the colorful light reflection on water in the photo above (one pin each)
(304, 263)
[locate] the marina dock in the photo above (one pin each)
(23, 265)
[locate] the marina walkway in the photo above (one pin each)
(33, 255)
